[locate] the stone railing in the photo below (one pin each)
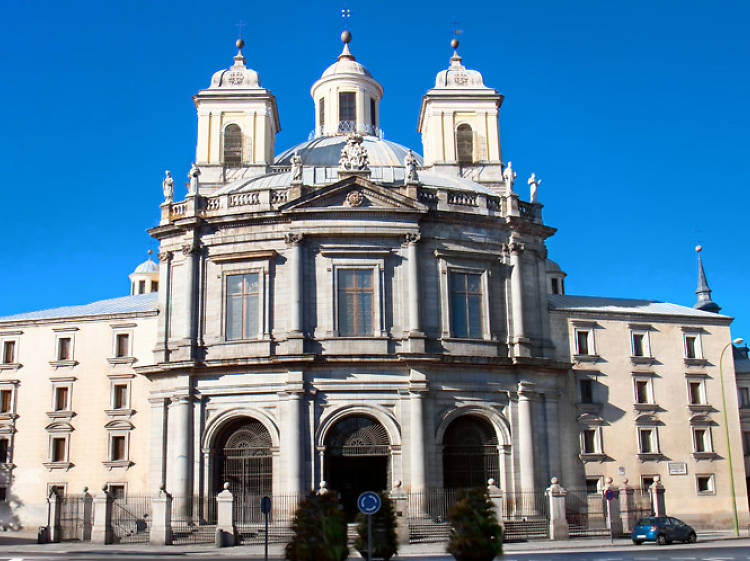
(532, 211)
(244, 199)
(278, 197)
(461, 198)
(427, 197)
(177, 211)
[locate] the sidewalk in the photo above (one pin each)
(25, 544)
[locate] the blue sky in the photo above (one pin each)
(633, 114)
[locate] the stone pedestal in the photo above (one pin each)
(614, 521)
(54, 504)
(88, 515)
(400, 500)
(225, 530)
(102, 533)
(628, 514)
(497, 497)
(161, 519)
(558, 524)
(658, 506)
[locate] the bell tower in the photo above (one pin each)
(237, 125)
(458, 122)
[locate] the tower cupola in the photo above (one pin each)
(145, 278)
(346, 97)
(237, 125)
(704, 301)
(458, 122)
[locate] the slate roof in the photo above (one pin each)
(625, 306)
(123, 305)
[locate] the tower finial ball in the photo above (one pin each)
(346, 36)
(454, 43)
(240, 43)
(698, 248)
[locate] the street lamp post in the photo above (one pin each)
(735, 521)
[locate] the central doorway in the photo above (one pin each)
(356, 459)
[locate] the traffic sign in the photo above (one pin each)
(265, 505)
(368, 502)
(609, 494)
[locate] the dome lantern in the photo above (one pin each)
(145, 278)
(346, 97)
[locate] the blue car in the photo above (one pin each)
(662, 530)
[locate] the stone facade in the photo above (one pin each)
(351, 313)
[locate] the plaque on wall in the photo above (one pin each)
(677, 468)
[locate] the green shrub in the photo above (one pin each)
(384, 544)
(319, 530)
(475, 532)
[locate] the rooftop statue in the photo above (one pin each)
(296, 162)
(509, 175)
(193, 176)
(410, 163)
(533, 184)
(168, 186)
(354, 155)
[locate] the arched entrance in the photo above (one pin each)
(242, 457)
(470, 453)
(356, 459)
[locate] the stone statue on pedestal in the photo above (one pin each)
(193, 176)
(533, 184)
(296, 168)
(509, 175)
(168, 186)
(410, 163)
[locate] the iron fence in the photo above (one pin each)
(193, 519)
(131, 519)
(76, 517)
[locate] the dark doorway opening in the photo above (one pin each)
(356, 460)
(470, 454)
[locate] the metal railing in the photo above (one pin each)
(131, 519)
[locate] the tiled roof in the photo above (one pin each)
(625, 306)
(123, 305)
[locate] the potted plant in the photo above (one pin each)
(475, 532)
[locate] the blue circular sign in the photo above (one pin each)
(609, 494)
(265, 505)
(368, 502)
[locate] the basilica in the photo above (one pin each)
(353, 314)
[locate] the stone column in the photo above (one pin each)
(628, 514)
(416, 336)
(178, 453)
(88, 512)
(526, 436)
(54, 504)
(158, 443)
(558, 524)
(161, 519)
(295, 340)
(551, 406)
(190, 251)
(161, 352)
(417, 450)
(102, 530)
(519, 341)
(225, 530)
(614, 521)
(400, 500)
(292, 441)
(656, 491)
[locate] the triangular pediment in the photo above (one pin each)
(354, 194)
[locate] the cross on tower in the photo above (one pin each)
(240, 25)
(456, 30)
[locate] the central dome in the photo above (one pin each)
(325, 151)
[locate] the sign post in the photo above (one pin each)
(265, 508)
(369, 503)
(609, 495)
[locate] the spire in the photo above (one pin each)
(239, 58)
(346, 36)
(704, 301)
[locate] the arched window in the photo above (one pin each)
(470, 455)
(233, 146)
(244, 459)
(465, 144)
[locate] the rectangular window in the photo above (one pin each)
(62, 394)
(647, 441)
(695, 393)
(355, 302)
(582, 342)
(141, 287)
(117, 491)
(243, 304)
(119, 396)
(587, 391)
(701, 440)
(642, 391)
(466, 305)
(704, 484)
(690, 346)
(6, 397)
(744, 397)
(373, 120)
(588, 441)
(64, 345)
(58, 449)
(592, 485)
(3, 494)
(639, 344)
(322, 112)
(122, 345)
(647, 481)
(4, 451)
(555, 287)
(117, 449)
(9, 352)
(347, 111)
(746, 442)
(56, 489)
(154, 286)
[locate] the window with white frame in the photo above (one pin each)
(584, 340)
(704, 484)
(592, 485)
(58, 489)
(692, 345)
(8, 351)
(6, 400)
(243, 306)
(647, 481)
(355, 301)
(466, 304)
(648, 440)
(122, 344)
(61, 397)
(118, 447)
(702, 440)
(4, 450)
(117, 490)
(696, 392)
(643, 390)
(591, 441)
(120, 395)
(64, 346)
(639, 343)
(58, 448)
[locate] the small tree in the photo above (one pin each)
(384, 544)
(319, 530)
(475, 532)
